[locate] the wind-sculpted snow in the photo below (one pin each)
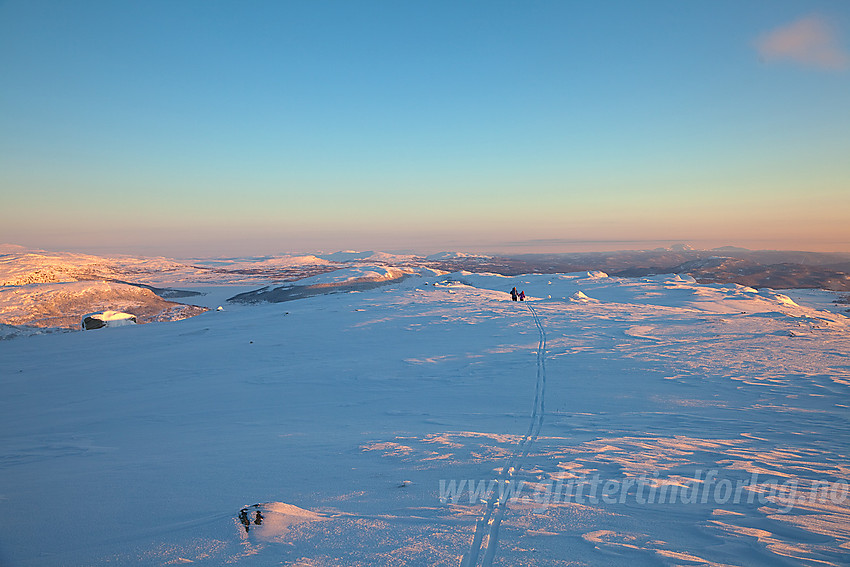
(684, 423)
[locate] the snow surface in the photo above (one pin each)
(336, 418)
(822, 299)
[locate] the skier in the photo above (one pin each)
(243, 517)
(522, 295)
(513, 294)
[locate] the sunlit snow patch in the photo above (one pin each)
(581, 297)
(779, 297)
(273, 521)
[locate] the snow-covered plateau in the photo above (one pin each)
(430, 420)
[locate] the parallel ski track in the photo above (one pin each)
(486, 536)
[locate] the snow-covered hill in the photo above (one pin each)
(24, 267)
(455, 256)
(62, 304)
(646, 421)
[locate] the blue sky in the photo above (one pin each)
(193, 128)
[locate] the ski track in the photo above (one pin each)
(486, 536)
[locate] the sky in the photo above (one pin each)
(202, 128)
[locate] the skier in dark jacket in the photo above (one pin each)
(522, 295)
(514, 294)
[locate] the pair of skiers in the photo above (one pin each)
(515, 295)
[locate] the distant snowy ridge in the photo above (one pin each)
(356, 274)
(271, 263)
(354, 256)
(357, 278)
(454, 256)
(346, 256)
(22, 268)
(7, 248)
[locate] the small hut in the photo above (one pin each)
(107, 319)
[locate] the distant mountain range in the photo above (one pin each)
(756, 268)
